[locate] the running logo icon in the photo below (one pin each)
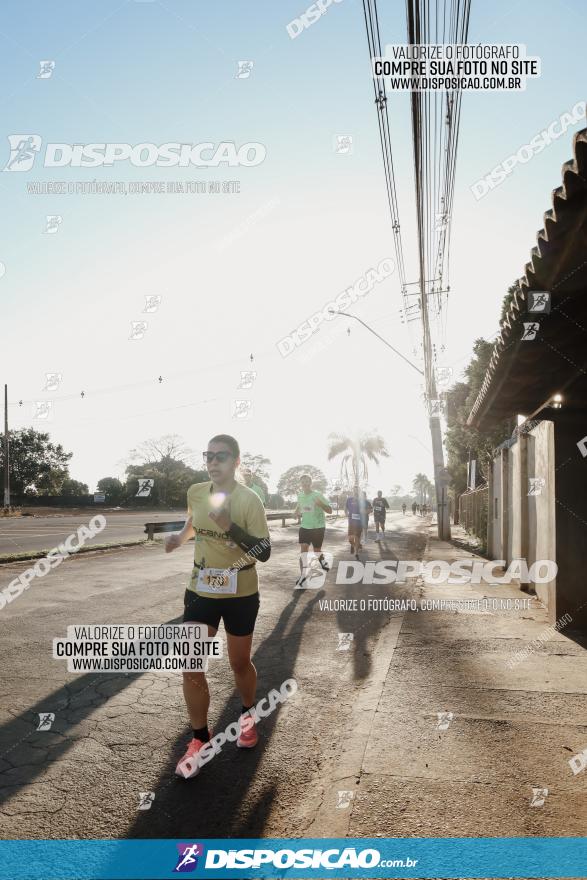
(23, 151)
(46, 71)
(46, 719)
(188, 857)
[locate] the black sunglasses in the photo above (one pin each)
(221, 457)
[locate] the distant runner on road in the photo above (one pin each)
(311, 506)
(250, 482)
(414, 506)
(380, 508)
(404, 509)
(229, 524)
(366, 510)
(355, 518)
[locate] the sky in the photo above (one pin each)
(238, 271)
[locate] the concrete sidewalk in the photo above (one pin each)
(508, 729)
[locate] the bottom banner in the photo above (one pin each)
(455, 857)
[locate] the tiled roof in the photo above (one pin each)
(521, 374)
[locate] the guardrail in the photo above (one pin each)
(155, 528)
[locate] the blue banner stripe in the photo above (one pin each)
(532, 857)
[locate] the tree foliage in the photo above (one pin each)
(37, 465)
(355, 454)
(461, 439)
(289, 482)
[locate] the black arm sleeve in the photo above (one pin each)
(257, 548)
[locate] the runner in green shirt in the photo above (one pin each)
(250, 482)
(311, 507)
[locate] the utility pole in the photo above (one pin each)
(6, 452)
(441, 475)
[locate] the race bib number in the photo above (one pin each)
(356, 516)
(308, 508)
(216, 580)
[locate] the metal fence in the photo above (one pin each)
(473, 513)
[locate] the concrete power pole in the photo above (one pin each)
(6, 452)
(441, 475)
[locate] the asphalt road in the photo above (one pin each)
(115, 735)
(21, 534)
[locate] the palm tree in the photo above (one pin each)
(421, 484)
(356, 453)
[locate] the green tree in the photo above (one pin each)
(112, 488)
(462, 441)
(37, 465)
(423, 487)
(355, 454)
(73, 487)
(289, 482)
(163, 460)
(258, 465)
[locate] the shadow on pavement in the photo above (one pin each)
(216, 801)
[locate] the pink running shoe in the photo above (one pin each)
(189, 766)
(248, 736)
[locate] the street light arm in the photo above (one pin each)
(389, 345)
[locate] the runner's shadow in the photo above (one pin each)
(25, 752)
(215, 803)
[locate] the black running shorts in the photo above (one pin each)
(238, 613)
(380, 518)
(315, 537)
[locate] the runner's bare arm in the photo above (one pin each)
(176, 540)
(325, 507)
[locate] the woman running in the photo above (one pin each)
(229, 524)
